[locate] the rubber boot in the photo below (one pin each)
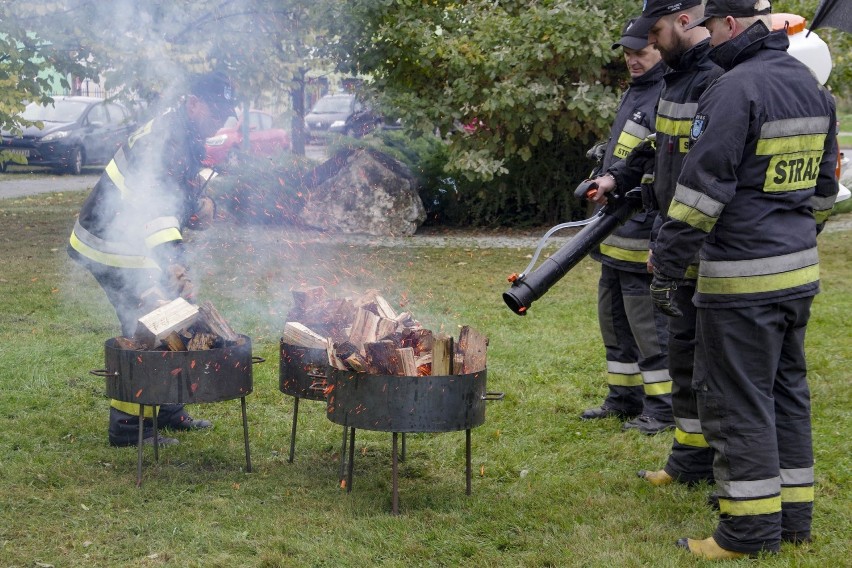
(709, 549)
(656, 478)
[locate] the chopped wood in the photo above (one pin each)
(385, 327)
(421, 340)
(409, 365)
(382, 358)
(154, 326)
(356, 363)
(368, 297)
(201, 341)
(384, 308)
(334, 360)
(442, 355)
(216, 323)
(472, 347)
(174, 342)
(299, 335)
(363, 329)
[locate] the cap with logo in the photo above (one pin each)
(216, 90)
(653, 10)
(629, 40)
(723, 8)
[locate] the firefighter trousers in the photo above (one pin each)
(636, 341)
(754, 405)
(691, 458)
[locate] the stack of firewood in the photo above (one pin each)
(181, 326)
(367, 335)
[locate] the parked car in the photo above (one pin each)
(341, 114)
(76, 132)
(264, 140)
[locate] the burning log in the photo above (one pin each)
(181, 326)
(367, 335)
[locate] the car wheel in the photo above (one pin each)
(75, 162)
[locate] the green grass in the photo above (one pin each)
(548, 489)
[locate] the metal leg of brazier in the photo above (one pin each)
(341, 474)
(467, 458)
(139, 447)
(402, 453)
(245, 433)
(293, 430)
(394, 477)
(351, 459)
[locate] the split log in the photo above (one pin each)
(382, 358)
(299, 335)
(363, 329)
(421, 340)
(385, 327)
(174, 342)
(154, 326)
(384, 308)
(472, 347)
(442, 356)
(128, 344)
(305, 298)
(409, 365)
(201, 341)
(334, 361)
(215, 323)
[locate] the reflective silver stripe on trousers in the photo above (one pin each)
(802, 476)
(658, 376)
(749, 489)
(759, 266)
(622, 368)
(688, 425)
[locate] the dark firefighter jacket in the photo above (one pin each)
(683, 86)
(134, 215)
(759, 178)
(627, 247)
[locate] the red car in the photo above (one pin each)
(264, 140)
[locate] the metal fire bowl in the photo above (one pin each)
(178, 377)
(302, 371)
(407, 404)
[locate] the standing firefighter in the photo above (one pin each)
(756, 188)
(129, 231)
(634, 333)
(686, 51)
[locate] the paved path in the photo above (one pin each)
(13, 184)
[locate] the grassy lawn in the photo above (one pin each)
(548, 489)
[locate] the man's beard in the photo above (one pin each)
(673, 55)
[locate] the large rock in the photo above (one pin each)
(364, 191)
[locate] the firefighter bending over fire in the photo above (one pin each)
(129, 230)
(686, 52)
(633, 331)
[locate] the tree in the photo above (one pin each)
(28, 48)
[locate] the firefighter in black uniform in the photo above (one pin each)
(129, 231)
(686, 53)
(634, 333)
(758, 184)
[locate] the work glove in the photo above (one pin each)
(597, 152)
(205, 211)
(179, 281)
(662, 293)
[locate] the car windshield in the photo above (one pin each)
(231, 122)
(328, 105)
(59, 111)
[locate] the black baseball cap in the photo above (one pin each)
(653, 10)
(723, 8)
(629, 40)
(216, 90)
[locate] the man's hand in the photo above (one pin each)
(662, 293)
(180, 282)
(205, 211)
(606, 184)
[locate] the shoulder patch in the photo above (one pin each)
(699, 123)
(638, 116)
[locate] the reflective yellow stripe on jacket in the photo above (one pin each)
(759, 274)
(795, 146)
